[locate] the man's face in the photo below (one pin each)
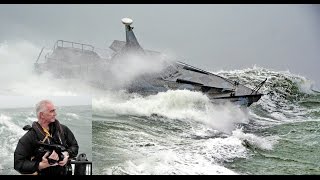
(49, 115)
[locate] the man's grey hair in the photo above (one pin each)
(41, 106)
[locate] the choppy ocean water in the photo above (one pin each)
(180, 132)
(177, 132)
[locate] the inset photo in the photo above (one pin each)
(46, 135)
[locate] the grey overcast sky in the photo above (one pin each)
(210, 36)
(31, 101)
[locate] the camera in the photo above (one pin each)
(50, 148)
(52, 161)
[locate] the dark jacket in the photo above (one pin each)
(26, 154)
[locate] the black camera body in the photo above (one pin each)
(49, 148)
(52, 161)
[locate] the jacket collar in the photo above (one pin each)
(55, 130)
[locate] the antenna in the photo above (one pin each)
(127, 21)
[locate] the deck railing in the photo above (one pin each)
(63, 43)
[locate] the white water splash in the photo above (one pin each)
(265, 143)
(7, 123)
(178, 104)
(72, 115)
(169, 163)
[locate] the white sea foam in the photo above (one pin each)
(265, 143)
(169, 162)
(7, 122)
(178, 104)
(9, 133)
(72, 115)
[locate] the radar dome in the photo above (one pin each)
(126, 21)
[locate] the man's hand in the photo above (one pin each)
(65, 159)
(54, 156)
(44, 163)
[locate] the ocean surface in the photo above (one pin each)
(176, 132)
(180, 132)
(77, 118)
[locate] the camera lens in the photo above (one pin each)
(61, 157)
(52, 161)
